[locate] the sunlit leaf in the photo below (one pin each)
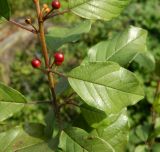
(106, 86)
(101, 9)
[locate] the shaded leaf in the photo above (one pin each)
(146, 60)
(61, 86)
(51, 129)
(143, 132)
(4, 9)
(92, 115)
(156, 147)
(57, 36)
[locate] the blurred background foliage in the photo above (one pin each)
(30, 82)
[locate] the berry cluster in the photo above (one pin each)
(55, 5)
(58, 60)
(58, 56)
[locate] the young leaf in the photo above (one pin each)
(4, 9)
(101, 9)
(122, 49)
(58, 36)
(11, 101)
(106, 86)
(108, 138)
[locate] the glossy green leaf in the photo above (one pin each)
(32, 139)
(57, 36)
(4, 9)
(102, 9)
(106, 86)
(108, 138)
(122, 49)
(11, 101)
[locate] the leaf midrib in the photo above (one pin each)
(118, 50)
(6, 101)
(105, 86)
(87, 2)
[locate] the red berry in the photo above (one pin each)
(36, 63)
(56, 4)
(58, 63)
(58, 58)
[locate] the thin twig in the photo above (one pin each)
(53, 63)
(71, 95)
(39, 102)
(58, 73)
(56, 14)
(34, 28)
(69, 102)
(48, 13)
(23, 27)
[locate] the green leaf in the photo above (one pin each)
(51, 129)
(61, 86)
(93, 9)
(2, 20)
(106, 86)
(4, 9)
(146, 60)
(156, 147)
(108, 138)
(143, 132)
(122, 49)
(92, 116)
(11, 101)
(32, 139)
(57, 36)
(96, 118)
(141, 148)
